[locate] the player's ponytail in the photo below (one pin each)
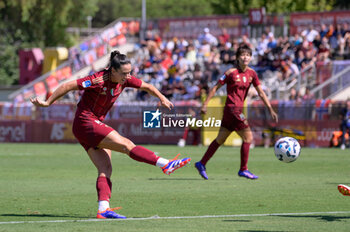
(117, 59)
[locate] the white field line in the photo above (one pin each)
(156, 217)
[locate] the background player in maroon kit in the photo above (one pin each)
(238, 81)
(101, 90)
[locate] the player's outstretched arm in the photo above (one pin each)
(266, 101)
(155, 92)
(59, 92)
(210, 95)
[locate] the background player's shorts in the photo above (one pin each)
(234, 121)
(90, 131)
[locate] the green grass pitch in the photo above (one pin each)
(55, 184)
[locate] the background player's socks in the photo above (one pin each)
(210, 152)
(103, 205)
(244, 156)
(142, 154)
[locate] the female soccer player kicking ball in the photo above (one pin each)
(101, 90)
(238, 81)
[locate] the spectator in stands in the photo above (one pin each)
(262, 44)
(308, 95)
(339, 50)
(297, 40)
(191, 54)
(309, 34)
(294, 95)
(345, 124)
(224, 37)
(207, 37)
(101, 90)
(323, 51)
(317, 41)
(347, 46)
(324, 30)
(192, 90)
(293, 69)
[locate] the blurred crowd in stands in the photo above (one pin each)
(185, 69)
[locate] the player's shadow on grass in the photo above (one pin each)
(179, 179)
(41, 215)
(328, 218)
(262, 230)
(232, 220)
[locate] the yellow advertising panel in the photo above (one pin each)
(215, 109)
(53, 57)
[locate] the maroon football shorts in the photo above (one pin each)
(90, 131)
(234, 121)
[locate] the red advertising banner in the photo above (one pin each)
(60, 131)
(317, 133)
(256, 16)
(193, 27)
(301, 21)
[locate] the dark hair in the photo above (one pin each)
(117, 59)
(242, 49)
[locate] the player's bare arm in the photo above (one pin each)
(155, 92)
(210, 96)
(213, 91)
(266, 101)
(59, 92)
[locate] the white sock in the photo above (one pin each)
(161, 162)
(103, 205)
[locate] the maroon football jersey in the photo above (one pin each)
(100, 93)
(238, 83)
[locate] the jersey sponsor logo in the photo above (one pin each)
(86, 84)
(244, 79)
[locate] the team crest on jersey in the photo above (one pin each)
(103, 92)
(250, 79)
(86, 84)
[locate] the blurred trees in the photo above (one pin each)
(36, 23)
(271, 6)
(43, 23)
(109, 10)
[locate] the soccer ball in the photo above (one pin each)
(287, 149)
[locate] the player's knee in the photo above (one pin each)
(128, 146)
(220, 141)
(248, 139)
(106, 170)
